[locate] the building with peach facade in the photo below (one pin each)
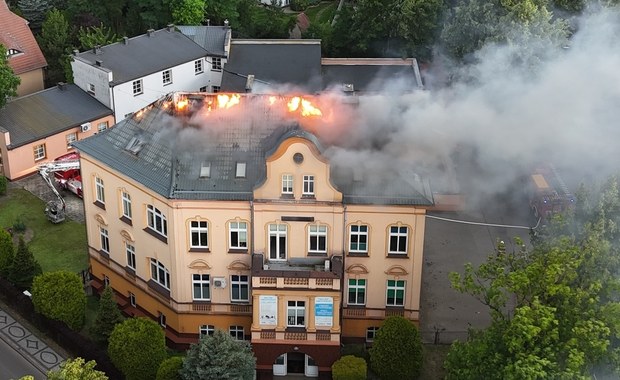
(223, 211)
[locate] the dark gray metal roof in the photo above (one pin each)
(371, 75)
(145, 54)
(48, 112)
(291, 62)
(211, 38)
(175, 145)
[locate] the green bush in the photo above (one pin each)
(396, 352)
(24, 266)
(108, 316)
(19, 226)
(3, 184)
(358, 350)
(7, 252)
(60, 296)
(77, 369)
(349, 368)
(299, 5)
(137, 346)
(169, 369)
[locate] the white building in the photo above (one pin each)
(127, 76)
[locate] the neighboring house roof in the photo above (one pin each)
(291, 62)
(15, 34)
(48, 112)
(212, 38)
(372, 74)
(166, 150)
(136, 57)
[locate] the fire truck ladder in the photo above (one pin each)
(55, 210)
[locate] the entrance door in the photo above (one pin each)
(279, 367)
(295, 362)
(312, 370)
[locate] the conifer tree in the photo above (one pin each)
(108, 316)
(7, 252)
(24, 267)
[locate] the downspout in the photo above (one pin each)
(252, 228)
(344, 254)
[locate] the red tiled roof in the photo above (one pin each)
(302, 20)
(15, 34)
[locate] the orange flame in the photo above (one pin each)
(272, 100)
(181, 104)
(227, 101)
(307, 109)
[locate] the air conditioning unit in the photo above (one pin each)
(85, 127)
(219, 282)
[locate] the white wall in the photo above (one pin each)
(84, 73)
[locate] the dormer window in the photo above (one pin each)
(11, 52)
(240, 171)
(205, 170)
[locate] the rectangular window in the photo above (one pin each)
(308, 185)
(126, 200)
(287, 184)
(240, 172)
(398, 240)
(137, 87)
(205, 330)
(237, 332)
(132, 299)
(160, 274)
(318, 239)
(371, 333)
(162, 319)
(239, 288)
(198, 68)
(216, 64)
(100, 194)
(201, 287)
(215, 89)
(39, 152)
(203, 89)
(296, 314)
(102, 126)
(71, 138)
(106, 281)
(131, 256)
(156, 220)
(395, 293)
(357, 291)
(166, 77)
(91, 89)
(277, 241)
(238, 235)
(358, 238)
(198, 230)
(105, 240)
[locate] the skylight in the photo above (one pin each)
(135, 145)
(205, 170)
(240, 173)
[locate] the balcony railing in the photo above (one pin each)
(370, 313)
(323, 336)
(296, 282)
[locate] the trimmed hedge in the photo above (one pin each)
(349, 368)
(60, 295)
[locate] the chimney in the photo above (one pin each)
(99, 63)
(125, 40)
(170, 27)
(97, 49)
(76, 52)
(61, 86)
(150, 32)
(226, 23)
(249, 82)
(208, 22)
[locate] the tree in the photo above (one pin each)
(55, 42)
(137, 346)
(24, 266)
(555, 307)
(77, 369)
(188, 12)
(34, 11)
(96, 35)
(108, 316)
(8, 81)
(3, 180)
(169, 369)
(219, 357)
(60, 295)
(349, 368)
(396, 352)
(7, 252)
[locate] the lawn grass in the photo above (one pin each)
(55, 246)
(322, 13)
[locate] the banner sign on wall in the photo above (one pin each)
(323, 311)
(268, 310)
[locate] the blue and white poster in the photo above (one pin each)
(268, 310)
(323, 311)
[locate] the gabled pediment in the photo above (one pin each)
(396, 270)
(357, 269)
(101, 220)
(238, 265)
(127, 235)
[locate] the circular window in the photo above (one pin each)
(298, 158)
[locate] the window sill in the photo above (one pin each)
(162, 238)
(238, 250)
(99, 204)
(159, 289)
(166, 84)
(240, 302)
(317, 254)
(198, 73)
(295, 329)
(105, 255)
(397, 256)
(126, 220)
(358, 254)
(308, 196)
(287, 196)
(349, 306)
(200, 250)
(130, 271)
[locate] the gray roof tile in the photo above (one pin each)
(211, 38)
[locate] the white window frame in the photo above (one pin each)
(126, 202)
(162, 319)
(39, 152)
(102, 126)
(106, 281)
(132, 299)
(130, 251)
(278, 231)
(240, 170)
(206, 330)
(317, 233)
(397, 235)
(71, 138)
(201, 282)
(99, 190)
(287, 184)
(137, 87)
(199, 229)
(240, 282)
(202, 89)
(216, 64)
(215, 89)
(237, 332)
(156, 220)
(395, 288)
(296, 309)
(166, 77)
(91, 89)
(199, 66)
(308, 188)
(371, 333)
(160, 274)
(240, 230)
(357, 236)
(357, 289)
(104, 240)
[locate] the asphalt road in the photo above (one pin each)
(14, 366)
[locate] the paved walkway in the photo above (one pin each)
(33, 349)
